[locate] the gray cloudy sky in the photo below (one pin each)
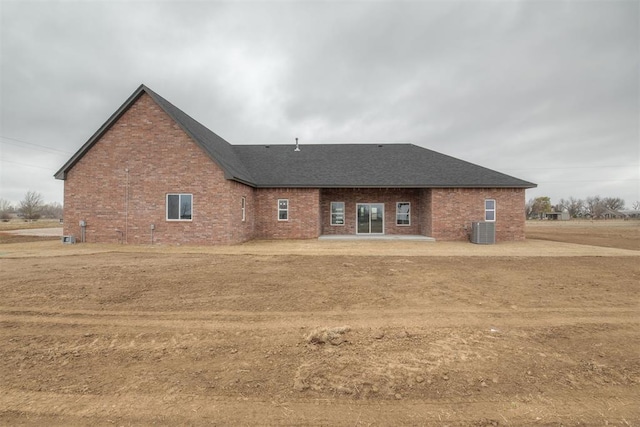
(545, 91)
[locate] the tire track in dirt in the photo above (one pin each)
(360, 318)
(612, 408)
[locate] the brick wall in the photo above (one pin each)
(427, 214)
(445, 214)
(388, 196)
(453, 211)
(304, 212)
(119, 186)
(239, 230)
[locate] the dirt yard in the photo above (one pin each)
(323, 333)
(8, 228)
(609, 233)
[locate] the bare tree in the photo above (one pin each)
(636, 205)
(185, 209)
(31, 205)
(573, 206)
(594, 207)
(528, 209)
(52, 210)
(613, 203)
(5, 210)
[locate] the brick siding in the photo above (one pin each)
(119, 186)
(304, 212)
(388, 196)
(427, 214)
(445, 214)
(453, 211)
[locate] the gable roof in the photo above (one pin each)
(320, 165)
(219, 150)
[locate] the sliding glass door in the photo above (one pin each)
(370, 218)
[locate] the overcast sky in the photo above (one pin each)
(542, 90)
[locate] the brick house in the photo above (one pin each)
(152, 174)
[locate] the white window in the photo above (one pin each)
(489, 210)
(244, 208)
(283, 209)
(337, 213)
(403, 213)
(179, 207)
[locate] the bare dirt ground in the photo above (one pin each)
(322, 333)
(606, 233)
(21, 231)
(21, 224)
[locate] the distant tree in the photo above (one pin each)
(52, 210)
(185, 210)
(5, 210)
(573, 206)
(31, 205)
(528, 209)
(540, 206)
(613, 203)
(594, 207)
(636, 205)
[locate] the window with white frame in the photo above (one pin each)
(337, 213)
(490, 210)
(403, 213)
(244, 208)
(283, 209)
(179, 207)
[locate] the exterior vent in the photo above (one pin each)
(483, 233)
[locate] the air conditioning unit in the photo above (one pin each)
(483, 233)
(68, 240)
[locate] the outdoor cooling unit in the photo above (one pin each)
(483, 233)
(68, 240)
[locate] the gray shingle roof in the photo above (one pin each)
(217, 148)
(321, 165)
(365, 165)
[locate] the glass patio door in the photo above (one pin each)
(370, 218)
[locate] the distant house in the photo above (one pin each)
(151, 173)
(615, 214)
(562, 216)
(630, 213)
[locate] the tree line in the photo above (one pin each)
(594, 207)
(31, 208)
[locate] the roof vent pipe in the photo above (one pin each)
(297, 146)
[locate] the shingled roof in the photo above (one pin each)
(321, 165)
(365, 165)
(219, 150)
